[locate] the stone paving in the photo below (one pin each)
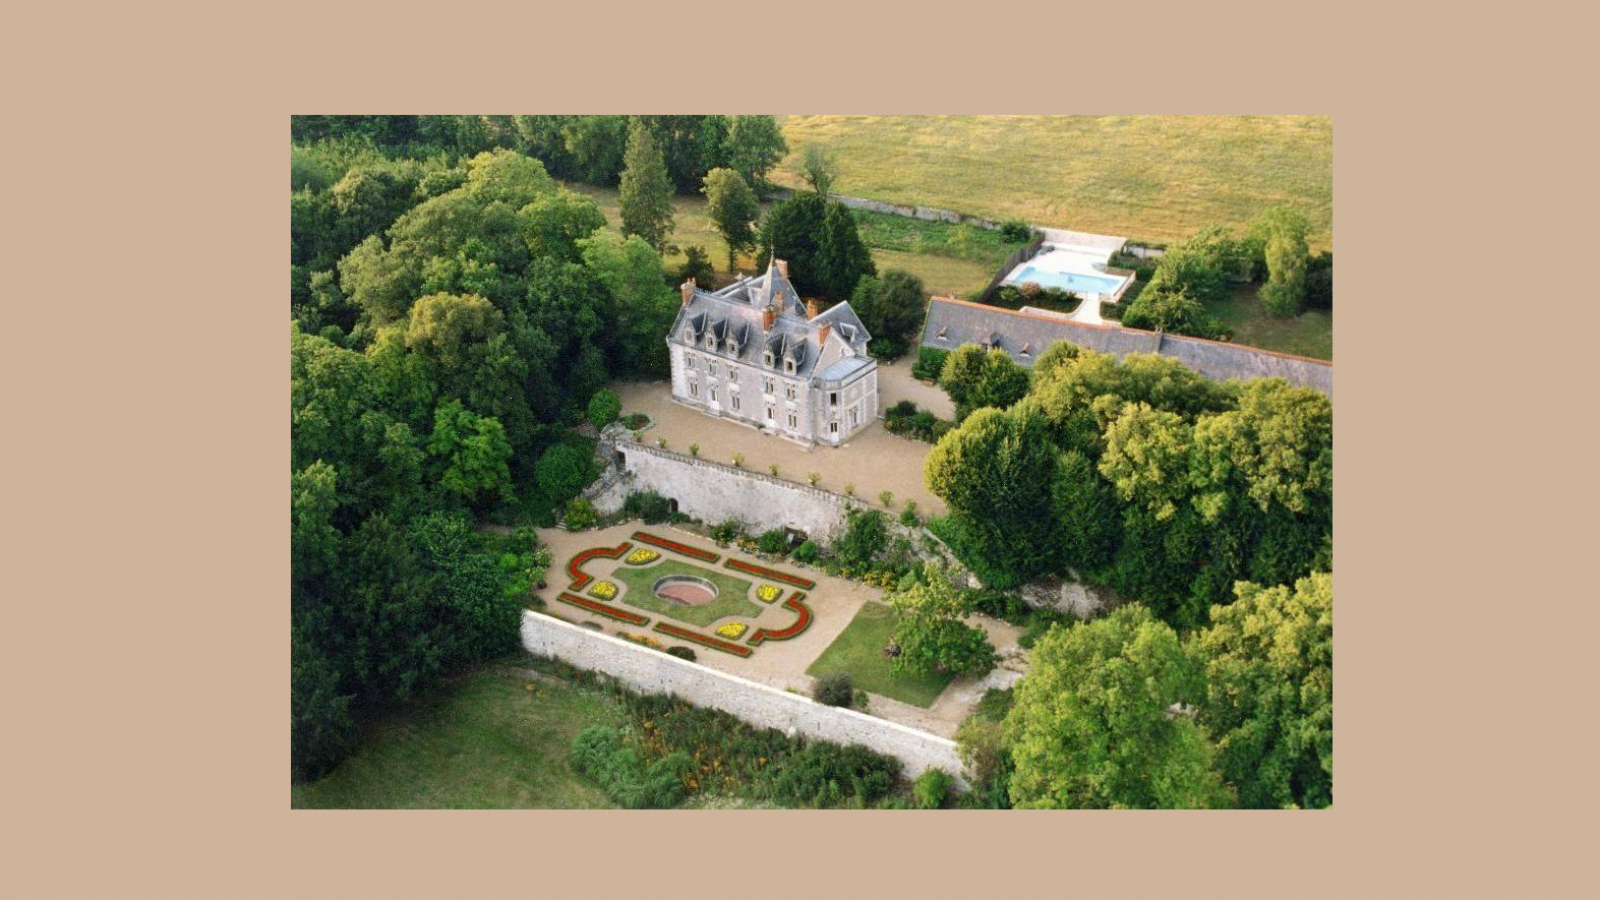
(781, 664)
(873, 460)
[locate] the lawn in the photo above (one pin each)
(691, 226)
(1308, 334)
(858, 652)
(733, 594)
(1155, 178)
(481, 742)
(941, 275)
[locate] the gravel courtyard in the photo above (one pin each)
(874, 460)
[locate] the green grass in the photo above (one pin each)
(858, 652)
(733, 594)
(1156, 178)
(482, 742)
(691, 226)
(1308, 334)
(969, 242)
(942, 276)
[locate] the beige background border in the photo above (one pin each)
(147, 638)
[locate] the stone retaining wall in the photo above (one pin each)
(654, 672)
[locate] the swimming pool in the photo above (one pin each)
(1075, 282)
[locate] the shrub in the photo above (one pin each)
(681, 653)
(604, 407)
(727, 532)
(773, 469)
(1039, 623)
(562, 472)
(1016, 230)
(827, 775)
(813, 477)
(850, 488)
(774, 541)
(930, 361)
(909, 517)
(806, 552)
(661, 442)
(1001, 605)
(865, 536)
(599, 753)
(635, 421)
(836, 689)
(694, 449)
(581, 514)
(738, 460)
(931, 788)
(649, 506)
(886, 498)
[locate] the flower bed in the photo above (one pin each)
(675, 547)
(732, 630)
(603, 590)
(765, 572)
(796, 603)
(769, 593)
(575, 564)
(704, 640)
(610, 612)
(641, 556)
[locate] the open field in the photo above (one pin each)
(1156, 178)
(1308, 334)
(691, 225)
(481, 742)
(858, 651)
(732, 593)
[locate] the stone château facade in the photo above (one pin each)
(756, 353)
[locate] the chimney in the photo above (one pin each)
(823, 331)
(768, 315)
(811, 308)
(688, 290)
(783, 267)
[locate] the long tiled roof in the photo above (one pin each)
(1025, 334)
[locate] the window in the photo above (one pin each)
(833, 398)
(733, 374)
(733, 396)
(766, 385)
(713, 395)
(770, 413)
(767, 358)
(694, 388)
(788, 391)
(788, 366)
(793, 422)
(833, 427)
(711, 367)
(855, 416)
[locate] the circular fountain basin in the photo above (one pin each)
(684, 589)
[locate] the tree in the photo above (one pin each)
(696, 266)
(554, 223)
(1099, 721)
(1286, 253)
(1203, 264)
(930, 634)
(995, 471)
(596, 145)
(819, 168)
(643, 305)
(733, 209)
(562, 471)
(1147, 458)
(841, 259)
(1268, 660)
(755, 145)
(891, 307)
(975, 378)
(1086, 511)
(604, 407)
(507, 176)
(1319, 280)
(1170, 308)
(473, 454)
(645, 196)
(791, 231)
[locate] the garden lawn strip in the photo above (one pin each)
(596, 606)
(774, 574)
(796, 603)
(575, 564)
(858, 652)
(675, 547)
(703, 640)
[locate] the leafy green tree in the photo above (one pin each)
(596, 145)
(841, 259)
(507, 176)
(791, 231)
(975, 378)
(562, 472)
(1171, 309)
(1286, 254)
(644, 306)
(696, 265)
(1147, 458)
(1086, 510)
(604, 407)
(645, 196)
(819, 168)
(1319, 280)
(1201, 265)
(755, 146)
(1099, 721)
(892, 307)
(733, 209)
(1275, 449)
(472, 453)
(1269, 672)
(865, 536)
(931, 634)
(554, 223)
(995, 472)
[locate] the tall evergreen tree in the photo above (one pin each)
(755, 145)
(646, 193)
(841, 256)
(733, 208)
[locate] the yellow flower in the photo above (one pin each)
(641, 556)
(732, 630)
(603, 590)
(767, 593)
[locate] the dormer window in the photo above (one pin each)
(940, 335)
(767, 358)
(788, 366)
(711, 342)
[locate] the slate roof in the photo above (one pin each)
(951, 323)
(736, 311)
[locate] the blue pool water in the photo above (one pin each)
(1068, 281)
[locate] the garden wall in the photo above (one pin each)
(713, 492)
(654, 672)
